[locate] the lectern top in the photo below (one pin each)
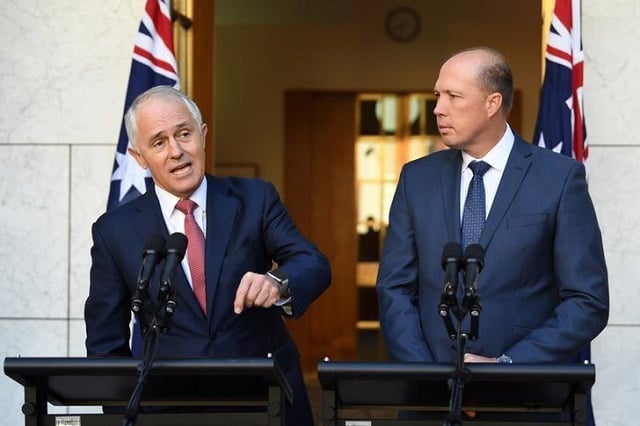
(109, 380)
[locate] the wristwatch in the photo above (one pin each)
(504, 359)
(280, 278)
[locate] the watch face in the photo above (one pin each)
(402, 24)
(282, 279)
(278, 275)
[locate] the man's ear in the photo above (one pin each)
(138, 157)
(494, 103)
(203, 130)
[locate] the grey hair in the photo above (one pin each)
(163, 92)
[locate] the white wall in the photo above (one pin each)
(612, 105)
(63, 80)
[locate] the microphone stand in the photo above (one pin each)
(470, 304)
(159, 323)
(457, 382)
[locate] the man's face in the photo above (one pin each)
(170, 143)
(462, 109)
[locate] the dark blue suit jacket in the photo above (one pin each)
(544, 286)
(247, 228)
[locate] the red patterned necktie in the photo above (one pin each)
(195, 251)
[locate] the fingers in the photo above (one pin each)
(255, 290)
(468, 357)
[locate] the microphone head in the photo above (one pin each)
(474, 253)
(177, 243)
(452, 252)
(155, 244)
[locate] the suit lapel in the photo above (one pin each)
(450, 186)
(515, 171)
(149, 218)
(221, 215)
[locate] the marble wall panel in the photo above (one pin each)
(77, 336)
(613, 184)
(90, 180)
(66, 59)
(34, 224)
(28, 338)
(611, 86)
(615, 394)
(621, 9)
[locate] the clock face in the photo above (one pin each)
(402, 24)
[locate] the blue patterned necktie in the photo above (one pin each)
(474, 213)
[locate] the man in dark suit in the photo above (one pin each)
(544, 285)
(246, 229)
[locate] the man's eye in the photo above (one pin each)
(184, 135)
(158, 143)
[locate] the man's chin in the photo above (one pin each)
(452, 144)
(184, 189)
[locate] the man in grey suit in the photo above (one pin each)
(246, 229)
(544, 285)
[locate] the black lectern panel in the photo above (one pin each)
(513, 391)
(229, 384)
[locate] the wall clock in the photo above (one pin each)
(402, 24)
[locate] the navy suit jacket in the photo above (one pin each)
(247, 228)
(543, 287)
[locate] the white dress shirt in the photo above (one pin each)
(497, 159)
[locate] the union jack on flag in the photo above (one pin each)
(153, 64)
(560, 125)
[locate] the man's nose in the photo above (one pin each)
(438, 109)
(174, 147)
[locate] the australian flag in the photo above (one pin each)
(153, 64)
(560, 125)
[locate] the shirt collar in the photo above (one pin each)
(168, 201)
(498, 155)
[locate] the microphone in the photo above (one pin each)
(451, 262)
(174, 252)
(474, 261)
(151, 255)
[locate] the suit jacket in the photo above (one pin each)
(247, 228)
(543, 287)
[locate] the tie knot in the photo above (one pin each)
(479, 168)
(186, 206)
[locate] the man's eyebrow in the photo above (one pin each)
(178, 126)
(156, 135)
